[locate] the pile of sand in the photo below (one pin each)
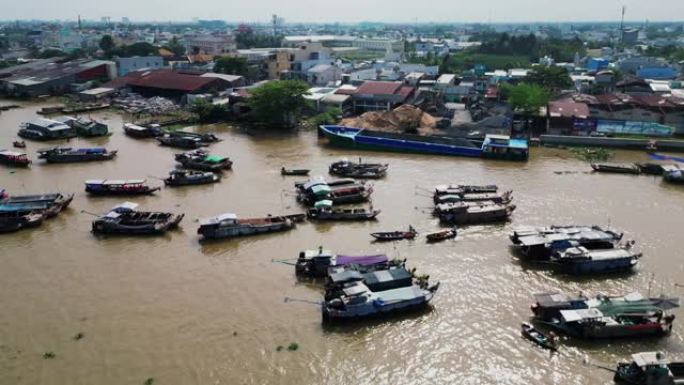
(402, 119)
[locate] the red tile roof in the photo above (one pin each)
(165, 79)
(379, 88)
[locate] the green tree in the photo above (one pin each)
(527, 100)
(553, 79)
(107, 44)
(176, 47)
(51, 52)
(279, 103)
(231, 65)
(208, 112)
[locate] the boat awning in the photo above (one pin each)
(580, 314)
(125, 206)
(214, 159)
(323, 204)
(11, 153)
(218, 219)
(400, 294)
(360, 260)
(318, 253)
(320, 190)
(112, 214)
(649, 359)
(356, 289)
(387, 275)
(135, 127)
(122, 182)
(554, 299)
(346, 276)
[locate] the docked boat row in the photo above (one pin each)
(471, 204)
(24, 211)
(347, 169)
(64, 127)
(670, 173)
(202, 160)
(576, 250)
(602, 317)
(492, 146)
(359, 287)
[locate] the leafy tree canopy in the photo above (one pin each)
(279, 103)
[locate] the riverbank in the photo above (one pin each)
(673, 145)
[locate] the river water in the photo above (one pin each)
(182, 312)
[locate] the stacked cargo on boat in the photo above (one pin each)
(359, 287)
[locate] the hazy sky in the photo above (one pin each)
(347, 10)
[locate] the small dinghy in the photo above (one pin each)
(19, 144)
(439, 236)
(395, 235)
(539, 338)
(294, 171)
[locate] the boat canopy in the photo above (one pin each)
(649, 359)
(346, 276)
(94, 150)
(382, 276)
(11, 153)
(107, 182)
(318, 253)
(226, 217)
(214, 159)
(356, 289)
(313, 182)
(554, 299)
(321, 190)
(323, 204)
(125, 206)
(134, 127)
(396, 295)
(341, 260)
(580, 314)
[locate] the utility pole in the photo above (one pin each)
(274, 19)
(622, 26)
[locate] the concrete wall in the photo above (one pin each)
(633, 144)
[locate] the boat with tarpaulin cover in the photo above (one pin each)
(125, 220)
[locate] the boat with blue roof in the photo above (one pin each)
(73, 155)
(492, 147)
(582, 261)
(321, 262)
(119, 187)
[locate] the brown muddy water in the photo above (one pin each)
(182, 312)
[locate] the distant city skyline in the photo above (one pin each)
(399, 11)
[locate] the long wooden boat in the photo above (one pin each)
(180, 142)
(13, 158)
(649, 368)
(650, 168)
(50, 204)
(493, 146)
(616, 168)
(202, 160)
(136, 131)
(124, 220)
(541, 242)
(345, 168)
(581, 261)
(190, 178)
(229, 225)
(327, 213)
(395, 235)
(69, 155)
(539, 338)
(460, 189)
(20, 219)
(503, 198)
(477, 214)
(319, 262)
(294, 171)
(119, 187)
(442, 235)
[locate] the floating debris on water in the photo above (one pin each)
(279, 348)
(293, 346)
(592, 154)
(49, 355)
(79, 336)
(149, 381)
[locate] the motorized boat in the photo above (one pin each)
(201, 160)
(69, 155)
(180, 141)
(13, 158)
(581, 261)
(294, 171)
(650, 168)
(119, 187)
(190, 177)
(541, 242)
(649, 368)
(395, 235)
(616, 168)
(19, 144)
(229, 225)
(465, 214)
(50, 204)
(442, 235)
(324, 211)
(539, 338)
(346, 168)
(124, 219)
(319, 262)
(460, 189)
(136, 131)
(504, 198)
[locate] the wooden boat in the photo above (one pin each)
(135, 131)
(84, 108)
(503, 198)
(439, 236)
(541, 242)
(203, 161)
(119, 187)
(11, 221)
(476, 214)
(395, 235)
(493, 146)
(180, 142)
(650, 168)
(392, 277)
(50, 204)
(359, 302)
(673, 174)
(649, 368)
(459, 189)
(13, 158)
(204, 138)
(581, 261)
(539, 338)
(318, 263)
(19, 144)
(294, 171)
(349, 169)
(123, 219)
(190, 177)
(50, 110)
(616, 168)
(69, 155)
(228, 225)
(323, 211)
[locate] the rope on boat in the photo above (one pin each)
(284, 261)
(288, 299)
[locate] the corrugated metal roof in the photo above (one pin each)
(379, 88)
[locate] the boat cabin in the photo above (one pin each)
(227, 219)
(105, 184)
(124, 207)
(504, 147)
(48, 129)
(549, 305)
